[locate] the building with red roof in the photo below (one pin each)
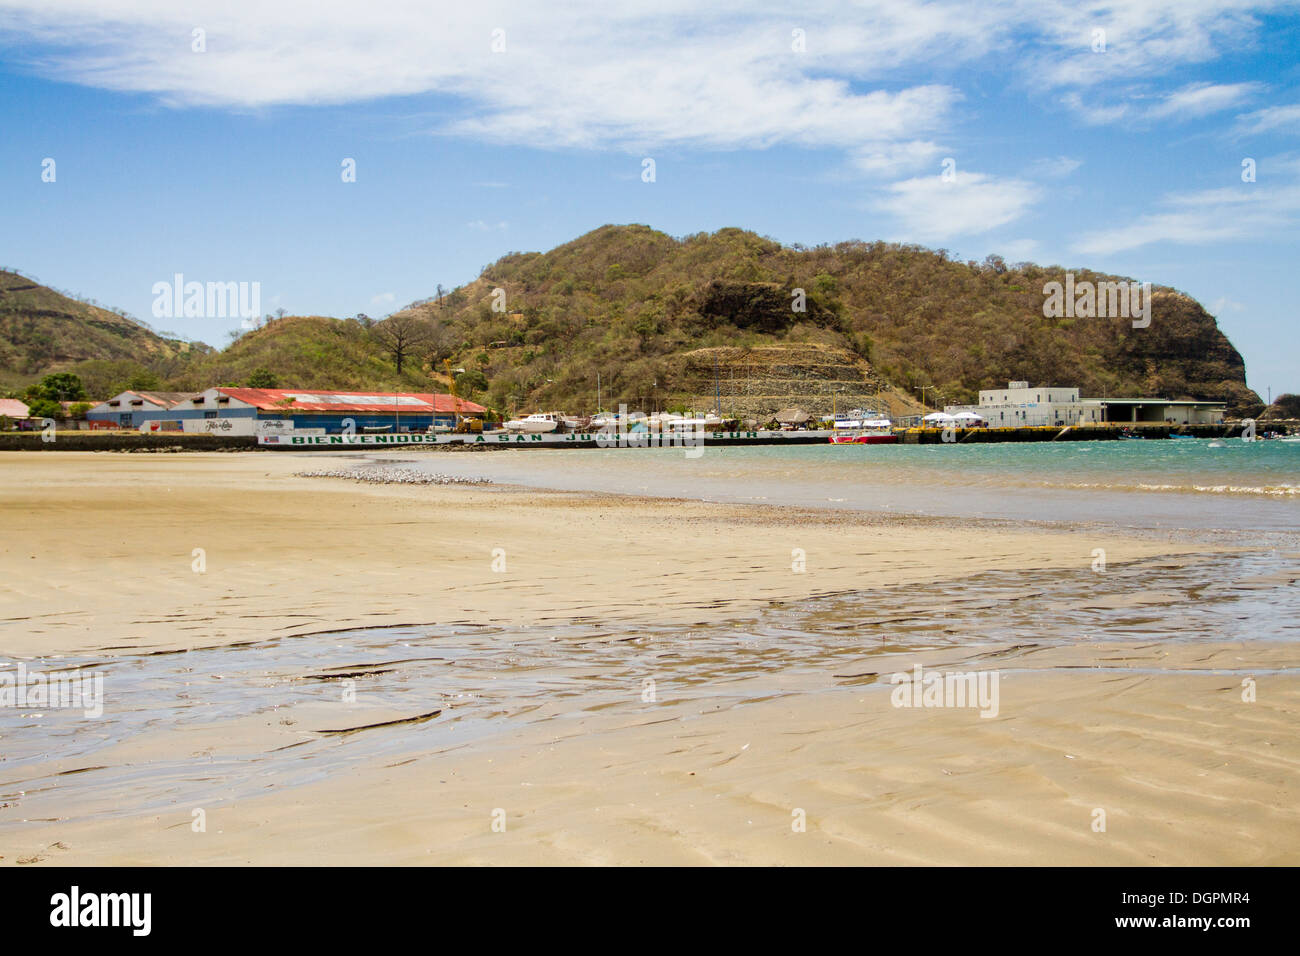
(239, 410)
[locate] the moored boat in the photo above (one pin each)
(871, 431)
(536, 423)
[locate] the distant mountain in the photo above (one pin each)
(43, 331)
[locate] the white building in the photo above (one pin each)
(1020, 405)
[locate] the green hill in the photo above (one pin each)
(305, 352)
(637, 306)
(659, 322)
(44, 331)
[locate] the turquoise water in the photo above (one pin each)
(1169, 485)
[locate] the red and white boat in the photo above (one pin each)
(871, 431)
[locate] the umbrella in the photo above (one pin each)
(937, 417)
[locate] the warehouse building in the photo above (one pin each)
(133, 408)
(1020, 405)
(246, 411)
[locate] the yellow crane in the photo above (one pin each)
(451, 385)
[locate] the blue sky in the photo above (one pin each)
(810, 123)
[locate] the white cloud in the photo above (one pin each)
(1270, 118)
(894, 158)
(634, 75)
(1201, 99)
(1094, 114)
(1249, 211)
(1224, 304)
(934, 210)
(478, 225)
(1058, 167)
(383, 299)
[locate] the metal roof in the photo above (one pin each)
(13, 408)
(161, 399)
(311, 400)
(1152, 401)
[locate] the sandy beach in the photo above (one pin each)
(810, 766)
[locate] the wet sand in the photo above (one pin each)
(97, 559)
(99, 553)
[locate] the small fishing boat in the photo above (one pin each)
(536, 423)
(870, 431)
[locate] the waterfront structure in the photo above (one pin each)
(131, 409)
(1023, 405)
(248, 411)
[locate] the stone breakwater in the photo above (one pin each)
(390, 475)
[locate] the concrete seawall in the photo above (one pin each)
(178, 442)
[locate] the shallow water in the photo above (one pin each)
(485, 680)
(1167, 485)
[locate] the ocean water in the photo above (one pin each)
(1168, 485)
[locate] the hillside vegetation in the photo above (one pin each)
(730, 318)
(632, 304)
(44, 331)
(304, 352)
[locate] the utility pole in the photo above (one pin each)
(921, 389)
(717, 391)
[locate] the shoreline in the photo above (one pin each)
(425, 555)
(99, 563)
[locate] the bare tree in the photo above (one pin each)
(441, 343)
(402, 336)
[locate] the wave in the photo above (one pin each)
(1278, 491)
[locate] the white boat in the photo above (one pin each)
(536, 423)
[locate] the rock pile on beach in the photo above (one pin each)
(392, 475)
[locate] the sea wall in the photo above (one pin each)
(124, 442)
